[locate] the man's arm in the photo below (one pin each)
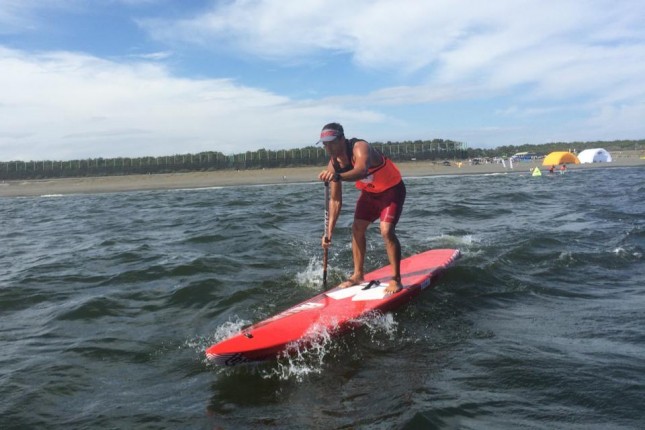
(335, 204)
(335, 201)
(361, 163)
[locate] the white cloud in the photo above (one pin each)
(575, 67)
(62, 105)
(23, 16)
(615, 122)
(19, 15)
(155, 56)
(497, 45)
(12, 17)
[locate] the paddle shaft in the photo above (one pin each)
(325, 250)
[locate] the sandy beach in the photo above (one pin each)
(107, 184)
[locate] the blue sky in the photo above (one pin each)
(110, 78)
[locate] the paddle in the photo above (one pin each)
(325, 250)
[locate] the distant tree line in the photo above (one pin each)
(206, 161)
(437, 149)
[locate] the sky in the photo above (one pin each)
(131, 78)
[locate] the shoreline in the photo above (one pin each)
(227, 178)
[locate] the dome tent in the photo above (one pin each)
(596, 155)
(560, 157)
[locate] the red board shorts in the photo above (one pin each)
(387, 205)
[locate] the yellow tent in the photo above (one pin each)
(560, 157)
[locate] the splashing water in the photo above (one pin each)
(309, 355)
(378, 323)
(566, 256)
(456, 241)
(304, 357)
(311, 277)
(226, 330)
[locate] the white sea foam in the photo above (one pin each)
(228, 329)
(225, 330)
(308, 356)
(379, 323)
(468, 244)
(622, 252)
(304, 357)
(311, 276)
(199, 344)
(566, 256)
(453, 240)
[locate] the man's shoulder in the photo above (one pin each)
(357, 143)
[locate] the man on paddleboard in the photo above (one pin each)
(382, 196)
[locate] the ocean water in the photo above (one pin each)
(108, 301)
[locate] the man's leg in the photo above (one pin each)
(393, 248)
(359, 245)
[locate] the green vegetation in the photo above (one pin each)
(437, 149)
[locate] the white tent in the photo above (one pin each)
(596, 155)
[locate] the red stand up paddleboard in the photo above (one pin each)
(334, 311)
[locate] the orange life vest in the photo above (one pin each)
(379, 178)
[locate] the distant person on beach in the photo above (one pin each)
(552, 169)
(382, 196)
(563, 169)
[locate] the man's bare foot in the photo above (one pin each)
(350, 282)
(393, 287)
